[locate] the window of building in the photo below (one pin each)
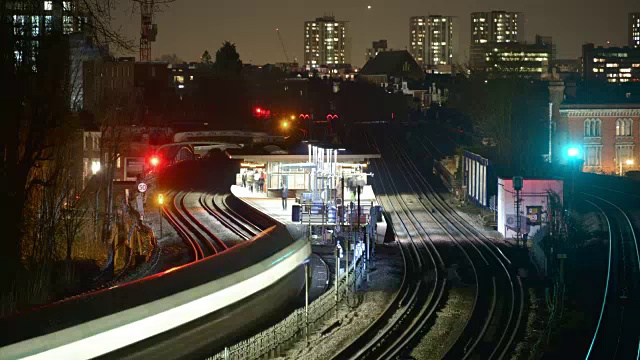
(17, 54)
(35, 25)
(48, 23)
(592, 155)
(624, 127)
(85, 167)
(624, 153)
(118, 161)
(178, 79)
(48, 5)
(66, 5)
(19, 23)
(67, 24)
(592, 127)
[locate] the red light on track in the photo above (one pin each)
(154, 161)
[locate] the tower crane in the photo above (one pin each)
(282, 43)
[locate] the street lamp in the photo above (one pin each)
(628, 162)
(95, 167)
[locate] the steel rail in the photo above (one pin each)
(213, 242)
(184, 233)
(418, 299)
(234, 225)
(471, 235)
(609, 266)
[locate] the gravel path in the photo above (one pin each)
(384, 280)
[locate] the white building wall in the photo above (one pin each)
(534, 193)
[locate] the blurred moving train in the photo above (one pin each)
(191, 311)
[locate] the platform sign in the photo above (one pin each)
(142, 187)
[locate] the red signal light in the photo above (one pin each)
(154, 161)
(258, 111)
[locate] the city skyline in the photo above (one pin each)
(205, 27)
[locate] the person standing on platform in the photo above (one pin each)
(263, 179)
(284, 191)
(250, 180)
(244, 179)
(256, 180)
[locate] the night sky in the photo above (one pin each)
(188, 27)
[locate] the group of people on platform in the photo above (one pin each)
(254, 180)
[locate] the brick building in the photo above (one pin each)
(607, 133)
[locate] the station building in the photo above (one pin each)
(297, 168)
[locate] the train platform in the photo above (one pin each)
(320, 272)
(271, 207)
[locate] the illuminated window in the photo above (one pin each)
(592, 127)
(66, 5)
(35, 25)
(67, 24)
(48, 5)
(624, 127)
(593, 155)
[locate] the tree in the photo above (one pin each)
(35, 125)
(509, 113)
(205, 58)
(228, 60)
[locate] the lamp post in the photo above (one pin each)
(161, 203)
(628, 162)
(573, 153)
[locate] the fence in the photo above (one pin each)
(282, 336)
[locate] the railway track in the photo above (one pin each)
(216, 206)
(499, 300)
(497, 313)
(617, 334)
(423, 286)
(198, 237)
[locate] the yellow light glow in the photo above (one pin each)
(629, 162)
(292, 117)
(160, 199)
(285, 124)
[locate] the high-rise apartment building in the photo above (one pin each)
(418, 38)
(34, 19)
(497, 26)
(442, 40)
(634, 30)
(433, 40)
(325, 42)
(611, 64)
(376, 47)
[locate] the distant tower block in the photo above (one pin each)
(148, 30)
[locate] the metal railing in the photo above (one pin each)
(279, 338)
